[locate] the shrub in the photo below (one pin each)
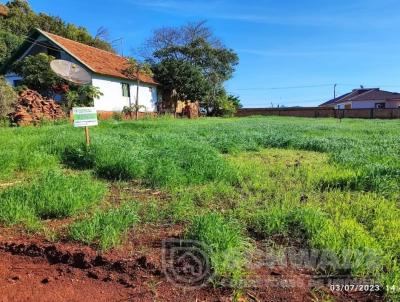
(7, 98)
(117, 116)
(106, 228)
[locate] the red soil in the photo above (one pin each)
(33, 269)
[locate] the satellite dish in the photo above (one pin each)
(70, 72)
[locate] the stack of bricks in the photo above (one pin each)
(31, 108)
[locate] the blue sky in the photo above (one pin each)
(280, 43)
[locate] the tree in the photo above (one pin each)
(22, 19)
(166, 37)
(181, 79)
(9, 42)
(194, 47)
(133, 70)
(37, 74)
(226, 105)
(235, 100)
(7, 98)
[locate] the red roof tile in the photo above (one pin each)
(97, 60)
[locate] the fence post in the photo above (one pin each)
(371, 115)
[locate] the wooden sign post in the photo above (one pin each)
(87, 135)
(85, 117)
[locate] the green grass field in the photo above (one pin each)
(316, 183)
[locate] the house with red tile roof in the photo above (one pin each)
(365, 98)
(106, 70)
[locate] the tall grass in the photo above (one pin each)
(51, 195)
(106, 228)
(158, 161)
(284, 199)
(224, 242)
(342, 195)
(369, 147)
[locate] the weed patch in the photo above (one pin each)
(106, 228)
(52, 195)
(224, 243)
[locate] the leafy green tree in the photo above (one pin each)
(133, 70)
(21, 19)
(182, 79)
(226, 105)
(7, 98)
(9, 42)
(207, 61)
(37, 74)
(235, 100)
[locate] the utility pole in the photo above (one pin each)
(137, 91)
(334, 91)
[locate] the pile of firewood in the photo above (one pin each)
(192, 110)
(187, 109)
(31, 108)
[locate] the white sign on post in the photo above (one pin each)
(85, 116)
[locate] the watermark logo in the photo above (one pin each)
(185, 263)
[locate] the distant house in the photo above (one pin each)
(105, 68)
(365, 98)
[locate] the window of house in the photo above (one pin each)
(380, 105)
(126, 90)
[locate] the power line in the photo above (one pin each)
(306, 86)
(283, 102)
(278, 88)
(34, 42)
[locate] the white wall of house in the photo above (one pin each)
(393, 104)
(113, 100)
(371, 104)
